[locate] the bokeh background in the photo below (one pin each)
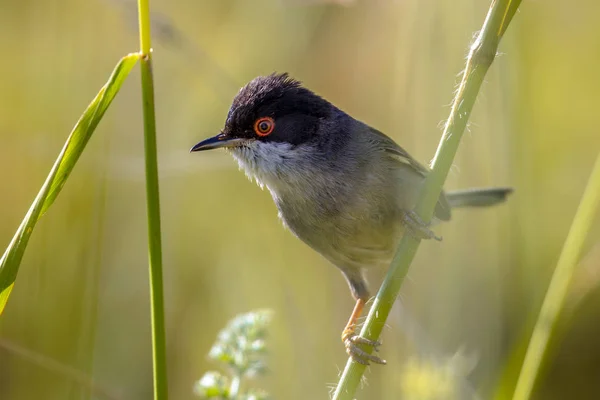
(77, 324)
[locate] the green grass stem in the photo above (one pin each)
(481, 56)
(159, 352)
(559, 286)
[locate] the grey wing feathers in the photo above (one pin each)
(398, 154)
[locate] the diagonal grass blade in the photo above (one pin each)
(80, 135)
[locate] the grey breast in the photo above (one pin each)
(347, 209)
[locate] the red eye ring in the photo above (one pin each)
(264, 126)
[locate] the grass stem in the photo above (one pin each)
(481, 56)
(159, 356)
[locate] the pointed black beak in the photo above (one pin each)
(221, 140)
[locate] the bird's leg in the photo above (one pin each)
(351, 340)
(417, 227)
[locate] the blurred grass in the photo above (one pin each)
(556, 296)
(391, 64)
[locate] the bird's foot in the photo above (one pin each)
(418, 228)
(351, 342)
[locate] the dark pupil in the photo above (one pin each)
(263, 126)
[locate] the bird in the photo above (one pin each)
(342, 187)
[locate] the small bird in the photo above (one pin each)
(342, 187)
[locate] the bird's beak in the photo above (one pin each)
(221, 140)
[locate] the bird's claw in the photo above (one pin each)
(352, 341)
(418, 228)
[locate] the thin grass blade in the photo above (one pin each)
(79, 137)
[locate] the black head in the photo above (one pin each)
(274, 108)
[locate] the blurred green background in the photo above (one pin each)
(77, 324)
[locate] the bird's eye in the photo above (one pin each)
(264, 126)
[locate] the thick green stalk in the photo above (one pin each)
(559, 286)
(481, 56)
(159, 353)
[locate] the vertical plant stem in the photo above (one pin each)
(144, 26)
(481, 56)
(559, 285)
(159, 359)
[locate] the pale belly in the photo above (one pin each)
(348, 240)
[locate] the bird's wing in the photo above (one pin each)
(398, 154)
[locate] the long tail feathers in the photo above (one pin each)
(478, 197)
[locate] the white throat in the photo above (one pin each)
(276, 165)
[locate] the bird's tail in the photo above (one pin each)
(477, 197)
